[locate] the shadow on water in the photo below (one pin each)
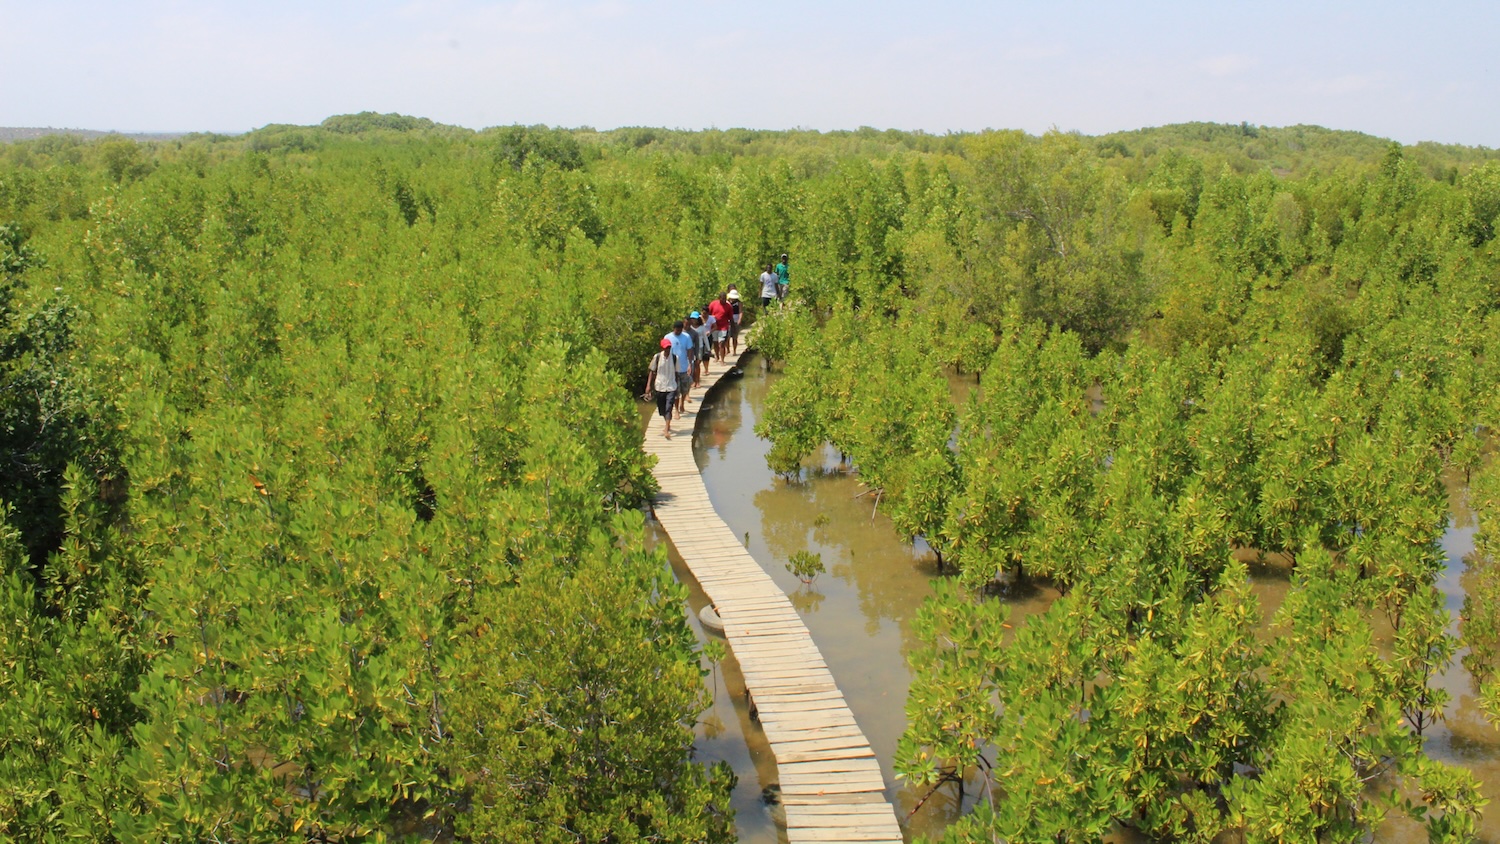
(860, 611)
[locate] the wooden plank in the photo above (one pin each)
(838, 783)
(852, 765)
(773, 672)
(778, 734)
(827, 789)
(782, 683)
(810, 720)
(849, 835)
(788, 645)
(764, 613)
(767, 673)
(807, 733)
(809, 810)
(750, 586)
(830, 692)
(791, 649)
(803, 799)
(832, 786)
(766, 632)
(785, 618)
(762, 609)
(860, 752)
(772, 708)
(829, 832)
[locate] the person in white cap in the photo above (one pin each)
(734, 319)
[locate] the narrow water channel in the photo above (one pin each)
(859, 613)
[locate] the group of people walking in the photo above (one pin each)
(773, 282)
(710, 333)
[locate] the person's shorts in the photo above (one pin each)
(734, 327)
(664, 401)
(721, 336)
(765, 301)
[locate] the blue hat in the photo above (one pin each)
(693, 315)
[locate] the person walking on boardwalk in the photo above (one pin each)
(661, 384)
(690, 328)
(769, 288)
(783, 277)
(682, 347)
(735, 311)
(719, 310)
(703, 332)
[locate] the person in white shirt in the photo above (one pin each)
(770, 287)
(661, 384)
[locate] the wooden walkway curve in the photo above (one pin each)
(831, 785)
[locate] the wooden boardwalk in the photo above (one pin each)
(831, 786)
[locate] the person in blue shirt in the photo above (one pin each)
(783, 277)
(682, 347)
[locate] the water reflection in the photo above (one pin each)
(725, 732)
(859, 612)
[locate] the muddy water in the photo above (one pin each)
(859, 613)
(1465, 737)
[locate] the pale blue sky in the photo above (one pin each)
(1410, 71)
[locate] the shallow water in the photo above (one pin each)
(1465, 737)
(859, 613)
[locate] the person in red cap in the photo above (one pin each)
(661, 384)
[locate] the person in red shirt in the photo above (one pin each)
(719, 309)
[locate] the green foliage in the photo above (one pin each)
(316, 450)
(579, 734)
(52, 417)
(64, 701)
(1481, 612)
(806, 565)
(777, 331)
(516, 145)
(366, 121)
(541, 206)
(333, 390)
(123, 159)
(1481, 190)
(948, 709)
(1268, 382)
(15, 258)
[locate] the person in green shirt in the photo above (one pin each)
(783, 277)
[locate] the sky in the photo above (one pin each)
(1404, 70)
